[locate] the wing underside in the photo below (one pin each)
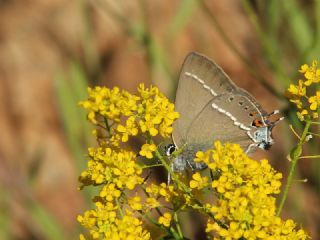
(200, 81)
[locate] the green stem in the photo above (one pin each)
(107, 125)
(175, 216)
(151, 166)
(119, 207)
(170, 230)
(295, 155)
(175, 234)
(314, 156)
(314, 134)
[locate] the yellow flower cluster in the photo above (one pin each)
(152, 200)
(147, 150)
(156, 114)
(117, 116)
(103, 223)
(167, 192)
(165, 220)
(305, 95)
(111, 104)
(243, 209)
(115, 169)
(246, 208)
(125, 115)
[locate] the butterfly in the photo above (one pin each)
(212, 108)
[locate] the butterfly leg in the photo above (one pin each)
(252, 145)
(190, 165)
(252, 138)
(169, 175)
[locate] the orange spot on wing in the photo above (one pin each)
(257, 123)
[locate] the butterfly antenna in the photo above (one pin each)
(278, 120)
(272, 124)
(273, 113)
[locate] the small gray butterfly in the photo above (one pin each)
(213, 108)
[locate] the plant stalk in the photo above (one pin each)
(294, 155)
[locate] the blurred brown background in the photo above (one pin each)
(51, 50)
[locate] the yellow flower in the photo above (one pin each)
(165, 220)
(304, 68)
(104, 223)
(152, 202)
(156, 112)
(153, 190)
(244, 189)
(198, 181)
(148, 125)
(296, 91)
(146, 92)
(298, 103)
(150, 112)
(205, 158)
(129, 130)
(167, 191)
(147, 150)
(109, 192)
(135, 203)
(302, 94)
(107, 165)
(246, 206)
(163, 190)
(301, 114)
(109, 103)
(315, 101)
(312, 74)
(88, 220)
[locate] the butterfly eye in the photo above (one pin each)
(170, 149)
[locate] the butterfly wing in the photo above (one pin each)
(200, 81)
(227, 118)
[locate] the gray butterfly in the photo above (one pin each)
(213, 108)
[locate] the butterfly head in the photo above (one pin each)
(263, 133)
